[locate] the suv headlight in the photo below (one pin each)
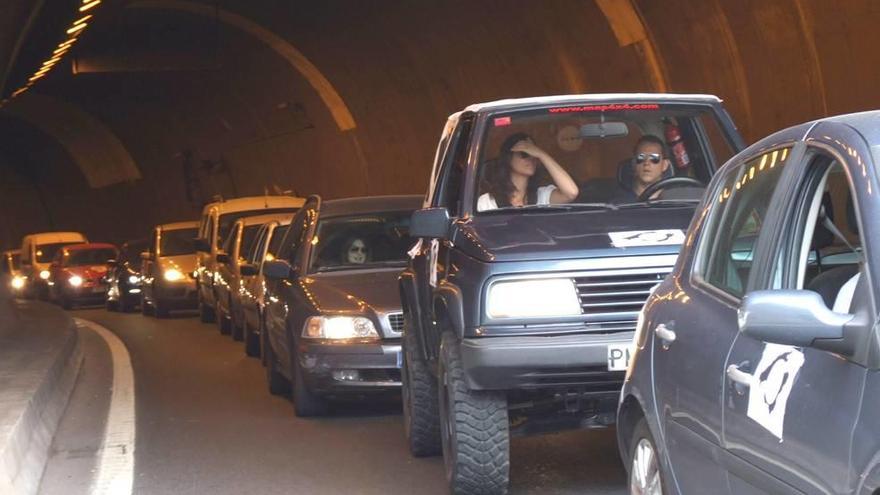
(339, 327)
(533, 298)
(173, 275)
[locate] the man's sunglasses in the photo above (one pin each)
(652, 157)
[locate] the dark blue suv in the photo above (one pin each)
(546, 224)
(756, 361)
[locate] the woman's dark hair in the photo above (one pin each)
(498, 179)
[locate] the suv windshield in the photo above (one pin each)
(177, 242)
(84, 257)
(361, 241)
(46, 252)
(227, 220)
(589, 156)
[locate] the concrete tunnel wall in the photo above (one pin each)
(402, 67)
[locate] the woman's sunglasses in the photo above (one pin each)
(652, 157)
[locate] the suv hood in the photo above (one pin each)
(529, 236)
(355, 290)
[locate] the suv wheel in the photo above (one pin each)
(278, 385)
(474, 429)
(644, 467)
(421, 413)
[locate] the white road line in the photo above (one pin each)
(115, 473)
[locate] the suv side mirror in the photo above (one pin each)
(202, 245)
(432, 223)
(222, 258)
(279, 270)
(792, 317)
(248, 269)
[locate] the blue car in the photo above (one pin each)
(755, 361)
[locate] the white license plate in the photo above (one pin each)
(619, 356)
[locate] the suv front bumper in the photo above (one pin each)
(577, 361)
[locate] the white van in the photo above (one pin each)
(37, 252)
(216, 223)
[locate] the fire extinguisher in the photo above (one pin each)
(676, 144)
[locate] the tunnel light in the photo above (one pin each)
(87, 5)
(62, 50)
(77, 27)
(52, 61)
(82, 20)
(36, 76)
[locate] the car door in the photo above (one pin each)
(789, 412)
(693, 328)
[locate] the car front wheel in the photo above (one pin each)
(421, 413)
(305, 402)
(474, 428)
(644, 469)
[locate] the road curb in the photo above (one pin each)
(35, 386)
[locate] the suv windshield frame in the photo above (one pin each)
(484, 118)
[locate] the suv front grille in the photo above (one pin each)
(617, 292)
(396, 322)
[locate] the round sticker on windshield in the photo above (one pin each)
(569, 138)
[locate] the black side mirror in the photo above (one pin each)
(222, 258)
(432, 223)
(278, 270)
(248, 269)
(202, 245)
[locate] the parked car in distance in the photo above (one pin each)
(518, 318)
(216, 222)
(10, 267)
(253, 290)
(37, 253)
(168, 270)
(123, 277)
(230, 279)
(76, 275)
(332, 310)
(755, 361)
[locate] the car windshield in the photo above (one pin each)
(131, 251)
(227, 220)
(85, 257)
(590, 156)
(361, 241)
(177, 242)
(46, 252)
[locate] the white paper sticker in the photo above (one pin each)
(634, 238)
(771, 385)
(432, 262)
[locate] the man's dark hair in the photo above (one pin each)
(650, 138)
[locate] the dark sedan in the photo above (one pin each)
(333, 315)
(124, 277)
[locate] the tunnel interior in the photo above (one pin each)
(162, 105)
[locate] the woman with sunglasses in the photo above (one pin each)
(512, 182)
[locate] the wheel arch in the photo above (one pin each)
(629, 413)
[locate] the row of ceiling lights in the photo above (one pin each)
(73, 33)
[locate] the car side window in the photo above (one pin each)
(154, 242)
(258, 244)
(453, 172)
(229, 243)
(298, 229)
(740, 205)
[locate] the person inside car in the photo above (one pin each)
(649, 164)
(512, 182)
(355, 252)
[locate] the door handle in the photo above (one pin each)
(741, 379)
(665, 334)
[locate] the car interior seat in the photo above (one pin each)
(829, 282)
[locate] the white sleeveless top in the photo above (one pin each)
(487, 202)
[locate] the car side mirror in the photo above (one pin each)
(222, 258)
(202, 245)
(279, 270)
(432, 223)
(112, 263)
(146, 255)
(248, 269)
(798, 318)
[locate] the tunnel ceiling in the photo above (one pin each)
(346, 98)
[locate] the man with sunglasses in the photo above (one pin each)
(648, 165)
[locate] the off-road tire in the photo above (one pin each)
(306, 403)
(421, 411)
(474, 429)
(277, 384)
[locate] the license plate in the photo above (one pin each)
(619, 356)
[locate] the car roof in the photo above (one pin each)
(11, 251)
(865, 123)
(512, 103)
(91, 245)
(193, 224)
(53, 237)
(283, 218)
(255, 203)
(367, 204)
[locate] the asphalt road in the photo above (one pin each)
(206, 424)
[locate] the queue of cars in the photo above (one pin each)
(577, 262)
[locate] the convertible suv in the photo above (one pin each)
(756, 361)
(519, 319)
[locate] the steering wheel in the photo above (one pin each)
(669, 183)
